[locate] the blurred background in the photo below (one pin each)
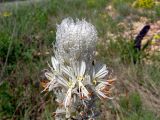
(27, 33)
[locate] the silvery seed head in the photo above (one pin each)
(75, 40)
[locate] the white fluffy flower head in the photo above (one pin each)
(75, 40)
(76, 82)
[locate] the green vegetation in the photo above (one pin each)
(144, 3)
(26, 37)
(132, 108)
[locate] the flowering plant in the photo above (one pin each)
(148, 4)
(76, 81)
